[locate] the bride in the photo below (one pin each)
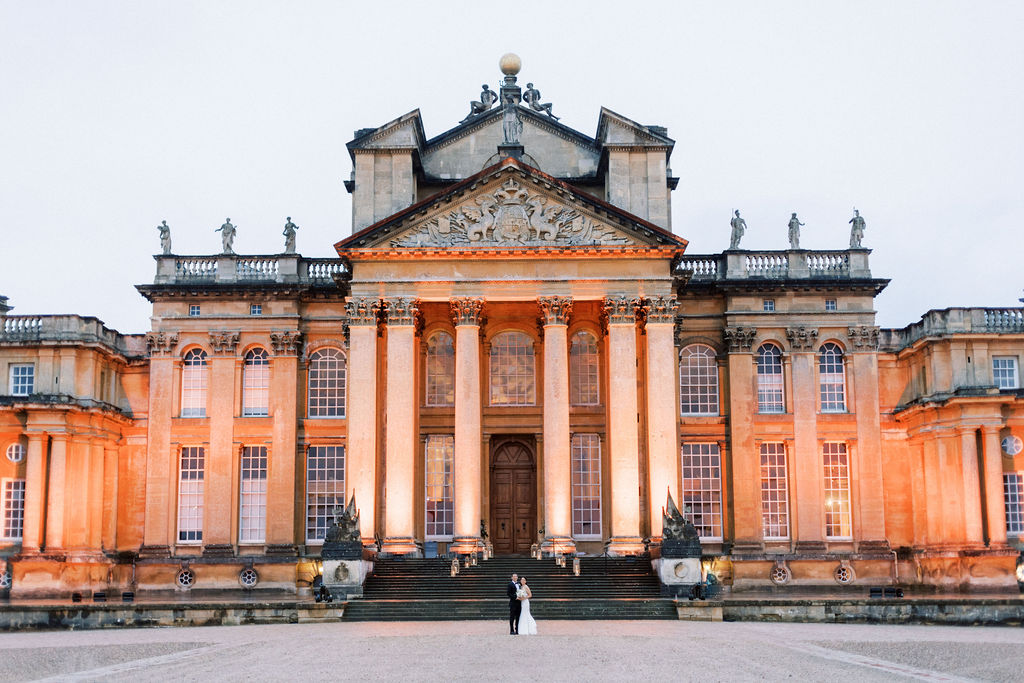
(527, 625)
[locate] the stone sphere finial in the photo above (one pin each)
(510, 64)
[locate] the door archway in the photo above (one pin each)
(513, 521)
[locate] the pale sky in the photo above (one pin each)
(117, 115)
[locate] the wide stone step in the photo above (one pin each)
(438, 610)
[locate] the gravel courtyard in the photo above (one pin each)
(481, 650)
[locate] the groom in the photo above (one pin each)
(515, 607)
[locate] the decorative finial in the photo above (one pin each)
(510, 64)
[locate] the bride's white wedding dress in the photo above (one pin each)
(527, 624)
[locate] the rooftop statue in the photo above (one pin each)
(227, 236)
(856, 230)
(510, 123)
(794, 232)
(165, 237)
(739, 226)
(487, 99)
(532, 98)
(289, 236)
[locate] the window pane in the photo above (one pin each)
(583, 370)
(1013, 496)
(14, 508)
(586, 486)
(1004, 372)
(438, 478)
(256, 384)
(22, 380)
(701, 467)
(512, 382)
(832, 379)
(441, 370)
(698, 381)
(774, 491)
(252, 518)
(837, 491)
(327, 383)
(325, 488)
(193, 384)
(190, 494)
(769, 380)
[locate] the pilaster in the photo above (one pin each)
(281, 481)
(555, 311)
(806, 500)
(361, 458)
(870, 509)
(995, 506)
(662, 407)
(744, 459)
(158, 530)
(220, 475)
(974, 534)
(466, 317)
(55, 492)
(35, 493)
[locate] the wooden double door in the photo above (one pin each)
(513, 496)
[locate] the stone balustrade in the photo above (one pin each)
(235, 269)
(68, 329)
(776, 265)
(950, 321)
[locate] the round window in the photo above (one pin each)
(1012, 445)
(15, 452)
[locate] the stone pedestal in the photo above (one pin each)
(344, 569)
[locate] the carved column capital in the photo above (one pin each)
(661, 309)
(401, 310)
(863, 337)
(739, 339)
(224, 341)
(466, 310)
(802, 338)
(621, 309)
(555, 309)
(286, 342)
(362, 311)
(161, 343)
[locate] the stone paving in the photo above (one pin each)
(580, 650)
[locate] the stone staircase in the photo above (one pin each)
(424, 590)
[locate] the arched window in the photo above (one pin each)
(15, 452)
(770, 397)
(583, 370)
(831, 378)
(441, 370)
(512, 380)
(256, 384)
(193, 384)
(698, 380)
(326, 383)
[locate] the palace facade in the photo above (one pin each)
(512, 347)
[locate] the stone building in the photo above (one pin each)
(512, 342)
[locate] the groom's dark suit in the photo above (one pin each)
(515, 608)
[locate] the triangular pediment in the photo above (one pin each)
(615, 129)
(510, 206)
(404, 132)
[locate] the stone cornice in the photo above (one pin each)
(555, 309)
(161, 343)
(286, 342)
(739, 339)
(363, 311)
(802, 338)
(621, 309)
(224, 341)
(661, 309)
(401, 310)
(466, 310)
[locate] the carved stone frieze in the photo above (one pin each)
(401, 310)
(287, 341)
(466, 310)
(555, 309)
(224, 341)
(621, 309)
(511, 216)
(802, 338)
(661, 309)
(160, 343)
(739, 339)
(362, 311)
(863, 337)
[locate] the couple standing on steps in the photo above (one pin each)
(519, 616)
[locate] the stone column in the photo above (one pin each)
(995, 506)
(623, 428)
(972, 487)
(557, 457)
(806, 499)
(282, 492)
(111, 478)
(220, 476)
(662, 408)
(863, 391)
(361, 458)
(55, 492)
(745, 471)
(400, 436)
(94, 534)
(466, 316)
(160, 485)
(35, 493)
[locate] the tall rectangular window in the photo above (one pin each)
(837, 491)
(325, 488)
(1013, 496)
(193, 383)
(440, 496)
(774, 492)
(583, 370)
(586, 486)
(1004, 372)
(256, 383)
(14, 509)
(770, 391)
(23, 379)
(252, 517)
(190, 494)
(701, 466)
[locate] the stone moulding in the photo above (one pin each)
(555, 309)
(466, 310)
(802, 338)
(739, 339)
